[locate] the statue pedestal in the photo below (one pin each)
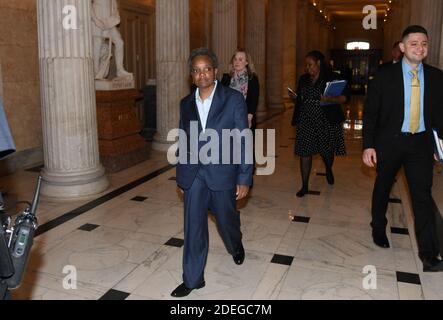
(120, 143)
(120, 83)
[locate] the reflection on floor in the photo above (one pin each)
(318, 247)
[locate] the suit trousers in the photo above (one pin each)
(197, 200)
(411, 152)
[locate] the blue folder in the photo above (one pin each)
(334, 89)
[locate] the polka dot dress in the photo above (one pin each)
(314, 134)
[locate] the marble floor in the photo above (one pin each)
(127, 244)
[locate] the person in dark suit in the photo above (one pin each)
(213, 185)
(244, 79)
(402, 107)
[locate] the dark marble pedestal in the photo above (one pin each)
(120, 143)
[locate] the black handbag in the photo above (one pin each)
(334, 113)
(295, 116)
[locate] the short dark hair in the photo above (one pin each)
(203, 52)
(414, 29)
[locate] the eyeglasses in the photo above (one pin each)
(203, 70)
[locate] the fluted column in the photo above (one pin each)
(428, 13)
(310, 30)
(316, 30)
(70, 143)
(256, 42)
(224, 31)
(289, 46)
(274, 56)
(172, 49)
(302, 35)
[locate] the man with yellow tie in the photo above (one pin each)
(404, 103)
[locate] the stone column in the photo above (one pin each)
(310, 34)
(428, 13)
(224, 32)
(256, 42)
(316, 30)
(208, 24)
(274, 56)
(325, 33)
(302, 36)
(289, 46)
(172, 49)
(241, 25)
(387, 30)
(70, 143)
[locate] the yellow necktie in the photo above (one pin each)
(414, 120)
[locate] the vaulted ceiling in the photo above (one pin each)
(350, 9)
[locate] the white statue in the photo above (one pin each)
(105, 19)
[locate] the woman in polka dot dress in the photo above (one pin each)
(319, 128)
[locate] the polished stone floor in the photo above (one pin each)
(128, 243)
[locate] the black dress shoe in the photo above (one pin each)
(240, 256)
(432, 265)
(380, 238)
(182, 290)
(303, 191)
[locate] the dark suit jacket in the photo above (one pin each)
(384, 106)
(388, 63)
(228, 111)
(253, 92)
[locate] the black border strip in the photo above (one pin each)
(95, 203)
(407, 277)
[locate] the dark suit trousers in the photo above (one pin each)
(198, 199)
(411, 152)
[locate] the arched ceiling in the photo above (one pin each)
(350, 9)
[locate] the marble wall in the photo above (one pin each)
(20, 71)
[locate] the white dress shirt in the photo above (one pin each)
(203, 107)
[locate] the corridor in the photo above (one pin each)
(127, 244)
